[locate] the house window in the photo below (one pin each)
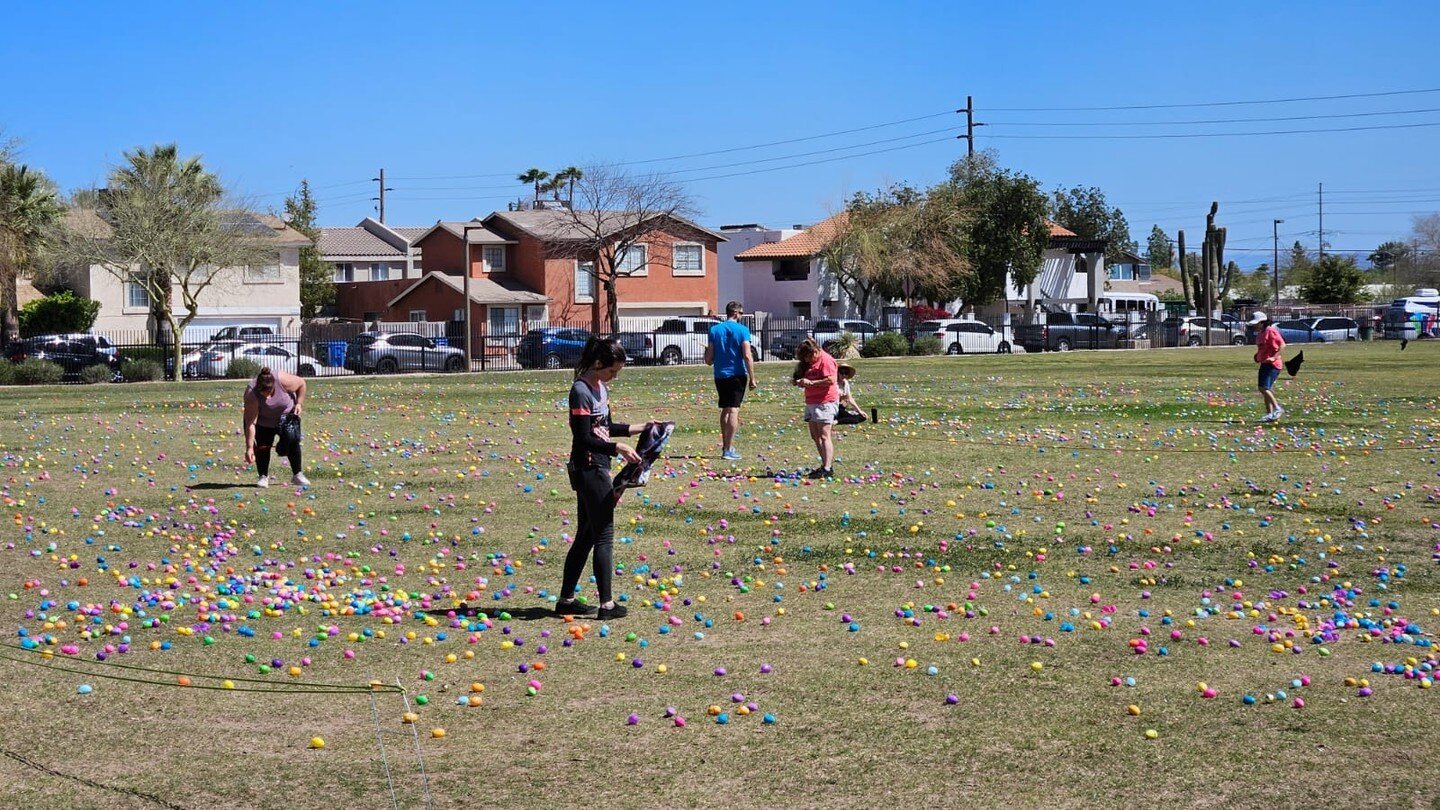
(417, 315)
(801, 309)
(379, 271)
(371, 317)
(344, 272)
(1122, 272)
(262, 273)
(792, 269)
(136, 296)
(689, 260)
(585, 281)
(633, 261)
(458, 315)
(504, 320)
(494, 258)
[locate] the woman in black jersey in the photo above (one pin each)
(591, 451)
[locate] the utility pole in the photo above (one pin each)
(1322, 220)
(381, 198)
(970, 125)
(1275, 268)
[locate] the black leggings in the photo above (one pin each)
(264, 438)
(595, 530)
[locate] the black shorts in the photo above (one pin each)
(731, 390)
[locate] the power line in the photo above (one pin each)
(1203, 121)
(715, 151)
(1214, 134)
(1214, 103)
(823, 160)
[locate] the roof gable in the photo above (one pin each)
(550, 225)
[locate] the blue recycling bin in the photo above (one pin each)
(442, 341)
(334, 352)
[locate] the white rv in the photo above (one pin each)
(1413, 316)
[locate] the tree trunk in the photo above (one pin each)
(612, 306)
(10, 305)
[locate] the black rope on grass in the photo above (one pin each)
(139, 794)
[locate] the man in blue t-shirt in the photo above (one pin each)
(729, 352)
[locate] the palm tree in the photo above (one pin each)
(534, 176)
(29, 211)
(567, 177)
(176, 190)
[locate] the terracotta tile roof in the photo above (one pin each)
(799, 246)
(1059, 230)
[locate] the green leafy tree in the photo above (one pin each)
(1086, 212)
(29, 213)
(1158, 249)
(163, 223)
(1295, 267)
(1334, 280)
(995, 220)
(1257, 285)
(1388, 255)
(317, 278)
(63, 311)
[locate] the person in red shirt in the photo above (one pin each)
(816, 372)
(1268, 344)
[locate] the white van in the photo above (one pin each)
(1413, 316)
(1131, 308)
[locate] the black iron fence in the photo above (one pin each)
(343, 349)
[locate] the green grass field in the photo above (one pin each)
(944, 624)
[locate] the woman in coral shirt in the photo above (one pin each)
(1268, 344)
(815, 371)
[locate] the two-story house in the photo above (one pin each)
(267, 293)
(785, 275)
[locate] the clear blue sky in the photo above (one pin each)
(454, 99)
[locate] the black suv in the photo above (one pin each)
(70, 352)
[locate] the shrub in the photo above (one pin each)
(926, 345)
(7, 372)
(156, 353)
(34, 371)
(242, 369)
(60, 312)
(97, 373)
(142, 370)
(885, 344)
(843, 345)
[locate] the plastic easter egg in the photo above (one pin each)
(85, 689)
(317, 742)
(1152, 734)
(1132, 710)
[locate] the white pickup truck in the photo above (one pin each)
(682, 339)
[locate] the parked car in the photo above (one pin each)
(389, 352)
(827, 331)
(249, 332)
(683, 339)
(71, 352)
(785, 341)
(190, 360)
(1063, 331)
(551, 347)
(639, 346)
(1190, 330)
(965, 336)
(1327, 329)
(216, 362)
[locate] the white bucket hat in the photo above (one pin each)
(1257, 317)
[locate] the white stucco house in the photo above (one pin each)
(781, 272)
(371, 251)
(257, 294)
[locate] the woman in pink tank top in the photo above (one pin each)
(271, 399)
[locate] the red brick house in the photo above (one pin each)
(525, 270)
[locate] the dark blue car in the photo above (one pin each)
(551, 347)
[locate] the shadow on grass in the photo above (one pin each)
(525, 614)
(219, 485)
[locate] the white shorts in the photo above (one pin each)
(822, 414)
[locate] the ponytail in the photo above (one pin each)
(599, 353)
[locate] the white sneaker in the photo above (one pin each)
(263, 482)
(300, 480)
(1279, 412)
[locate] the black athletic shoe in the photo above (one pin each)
(573, 607)
(816, 474)
(617, 612)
